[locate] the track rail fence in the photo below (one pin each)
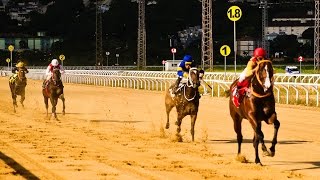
(288, 89)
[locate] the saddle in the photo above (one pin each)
(178, 90)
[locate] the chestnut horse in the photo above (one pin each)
(256, 107)
(17, 87)
(186, 101)
(54, 91)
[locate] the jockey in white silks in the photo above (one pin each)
(54, 64)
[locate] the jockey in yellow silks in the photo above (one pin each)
(19, 65)
(258, 54)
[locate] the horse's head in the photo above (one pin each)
(56, 75)
(263, 78)
(21, 74)
(193, 78)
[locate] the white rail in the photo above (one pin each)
(286, 91)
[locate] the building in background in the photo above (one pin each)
(21, 42)
(246, 45)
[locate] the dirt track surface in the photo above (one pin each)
(115, 133)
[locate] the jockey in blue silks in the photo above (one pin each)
(183, 70)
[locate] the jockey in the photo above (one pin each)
(54, 64)
(258, 54)
(19, 65)
(183, 70)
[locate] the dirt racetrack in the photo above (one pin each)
(116, 133)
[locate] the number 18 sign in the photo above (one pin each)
(234, 13)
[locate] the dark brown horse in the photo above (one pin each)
(54, 91)
(186, 101)
(259, 106)
(17, 86)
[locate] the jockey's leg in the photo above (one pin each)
(176, 85)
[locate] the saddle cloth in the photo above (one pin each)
(13, 78)
(240, 93)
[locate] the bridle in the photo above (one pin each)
(21, 74)
(190, 84)
(56, 76)
(260, 82)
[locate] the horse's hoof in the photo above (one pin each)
(257, 161)
(63, 113)
(178, 138)
(266, 153)
(272, 154)
(167, 126)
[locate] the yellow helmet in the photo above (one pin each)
(20, 64)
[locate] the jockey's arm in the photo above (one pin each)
(248, 71)
(180, 72)
(250, 68)
(48, 71)
(62, 71)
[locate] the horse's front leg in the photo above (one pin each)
(178, 123)
(23, 97)
(46, 103)
(54, 104)
(193, 122)
(63, 104)
(275, 137)
(14, 102)
(273, 120)
(168, 110)
(258, 136)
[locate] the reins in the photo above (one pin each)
(191, 85)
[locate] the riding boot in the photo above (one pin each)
(176, 85)
(236, 96)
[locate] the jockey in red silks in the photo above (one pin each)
(258, 54)
(54, 64)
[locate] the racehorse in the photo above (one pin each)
(17, 87)
(54, 91)
(258, 106)
(186, 101)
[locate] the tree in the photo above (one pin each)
(287, 44)
(308, 33)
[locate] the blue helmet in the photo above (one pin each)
(187, 59)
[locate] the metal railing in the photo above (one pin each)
(301, 89)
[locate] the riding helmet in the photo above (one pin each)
(259, 52)
(54, 62)
(187, 59)
(20, 64)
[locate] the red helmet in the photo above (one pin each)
(259, 52)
